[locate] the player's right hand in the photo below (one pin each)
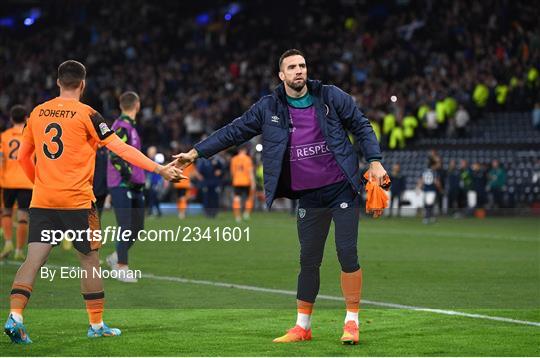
(171, 172)
(185, 159)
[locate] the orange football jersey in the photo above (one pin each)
(241, 170)
(186, 183)
(65, 134)
(13, 176)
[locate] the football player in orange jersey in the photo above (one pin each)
(17, 186)
(182, 190)
(243, 181)
(65, 135)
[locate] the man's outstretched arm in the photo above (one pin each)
(237, 132)
(133, 156)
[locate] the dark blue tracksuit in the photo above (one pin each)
(212, 171)
(336, 113)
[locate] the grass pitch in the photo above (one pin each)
(489, 267)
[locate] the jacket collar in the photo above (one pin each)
(314, 88)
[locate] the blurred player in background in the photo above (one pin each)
(154, 185)
(243, 182)
(430, 185)
(100, 179)
(17, 186)
(399, 182)
(65, 134)
(211, 173)
(126, 184)
(182, 190)
(308, 156)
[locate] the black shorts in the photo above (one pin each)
(242, 191)
(22, 196)
(181, 192)
(48, 226)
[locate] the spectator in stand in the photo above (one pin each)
(399, 54)
(462, 118)
(432, 124)
(194, 126)
(496, 183)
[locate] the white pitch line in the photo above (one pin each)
(324, 297)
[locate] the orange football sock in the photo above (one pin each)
(303, 316)
(22, 232)
(351, 286)
(95, 303)
(249, 202)
(7, 226)
(20, 294)
(304, 307)
(236, 206)
(182, 205)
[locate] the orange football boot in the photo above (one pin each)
(295, 334)
(350, 333)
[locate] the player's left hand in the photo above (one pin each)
(376, 172)
(182, 160)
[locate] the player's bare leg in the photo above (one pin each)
(181, 204)
(90, 263)
(249, 205)
(22, 234)
(37, 256)
(237, 208)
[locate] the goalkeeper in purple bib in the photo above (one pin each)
(307, 155)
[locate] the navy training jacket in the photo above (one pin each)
(336, 113)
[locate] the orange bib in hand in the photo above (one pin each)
(377, 199)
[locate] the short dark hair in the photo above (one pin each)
(71, 73)
(128, 100)
(289, 53)
(18, 114)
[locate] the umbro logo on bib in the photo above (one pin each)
(275, 119)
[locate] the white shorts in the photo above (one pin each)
(429, 197)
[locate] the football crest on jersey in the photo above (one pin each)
(301, 213)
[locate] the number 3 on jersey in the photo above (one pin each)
(56, 139)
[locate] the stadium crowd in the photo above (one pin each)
(444, 62)
(417, 68)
